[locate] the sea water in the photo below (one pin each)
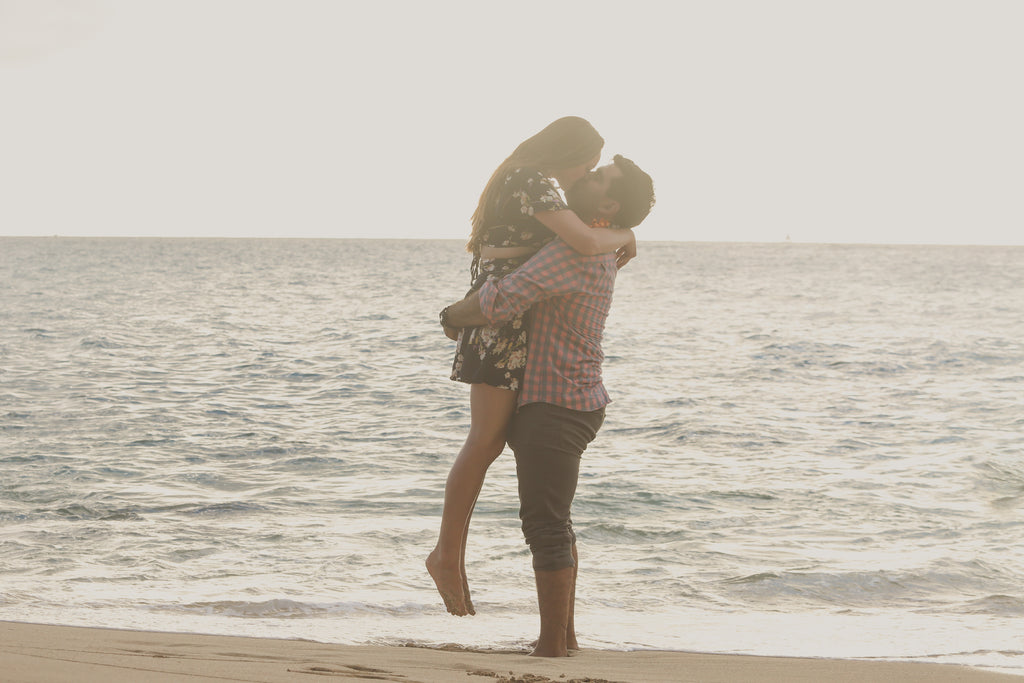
(813, 450)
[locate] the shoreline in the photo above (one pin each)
(38, 653)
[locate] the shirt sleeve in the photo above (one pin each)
(555, 270)
(536, 193)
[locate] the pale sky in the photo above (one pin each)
(827, 121)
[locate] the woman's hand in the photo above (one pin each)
(624, 255)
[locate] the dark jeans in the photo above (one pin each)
(548, 441)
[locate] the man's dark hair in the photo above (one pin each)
(634, 192)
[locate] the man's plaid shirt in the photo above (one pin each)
(570, 295)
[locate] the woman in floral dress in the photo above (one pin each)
(520, 210)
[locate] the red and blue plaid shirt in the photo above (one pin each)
(571, 295)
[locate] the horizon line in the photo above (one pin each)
(459, 239)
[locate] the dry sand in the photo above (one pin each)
(32, 653)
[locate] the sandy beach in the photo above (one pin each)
(34, 653)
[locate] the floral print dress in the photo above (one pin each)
(497, 355)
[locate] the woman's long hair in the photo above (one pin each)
(567, 142)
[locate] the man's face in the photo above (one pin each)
(589, 196)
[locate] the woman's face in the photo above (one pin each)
(567, 177)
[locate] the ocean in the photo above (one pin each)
(812, 450)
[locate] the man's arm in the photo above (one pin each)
(465, 313)
(555, 270)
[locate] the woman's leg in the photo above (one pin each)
(490, 409)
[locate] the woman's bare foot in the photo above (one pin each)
(465, 594)
(450, 584)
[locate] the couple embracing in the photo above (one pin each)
(529, 344)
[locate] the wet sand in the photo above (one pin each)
(34, 653)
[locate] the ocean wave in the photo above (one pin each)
(930, 589)
(284, 608)
(1000, 605)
